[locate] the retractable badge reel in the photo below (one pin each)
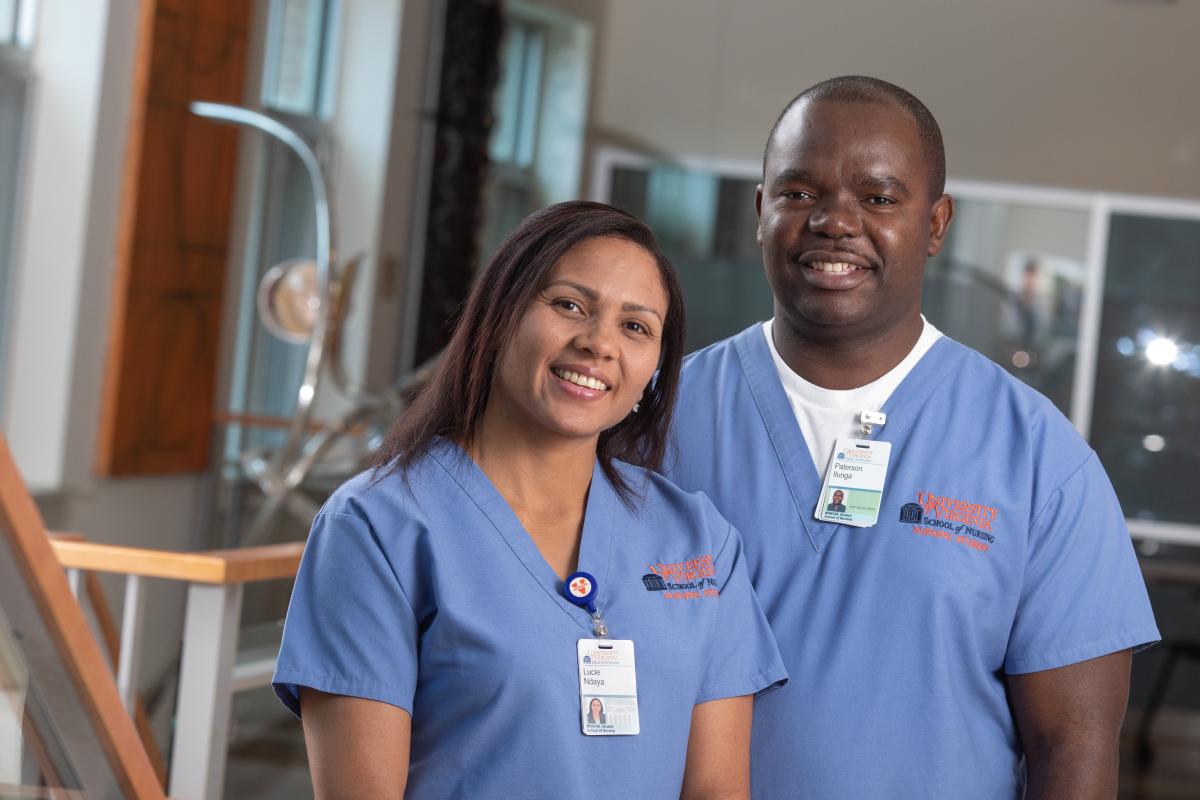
(580, 588)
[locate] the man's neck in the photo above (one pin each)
(833, 360)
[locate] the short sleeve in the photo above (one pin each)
(743, 658)
(1083, 595)
(350, 628)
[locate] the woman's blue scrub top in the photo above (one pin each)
(428, 594)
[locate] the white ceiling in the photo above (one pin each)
(1090, 94)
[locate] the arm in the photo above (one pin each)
(1069, 720)
(718, 753)
(356, 748)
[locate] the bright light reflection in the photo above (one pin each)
(1154, 443)
(1161, 351)
(1125, 346)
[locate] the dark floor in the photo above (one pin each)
(266, 751)
(1174, 771)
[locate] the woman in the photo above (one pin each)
(596, 712)
(430, 642)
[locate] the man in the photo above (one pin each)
(977, 636)
(837, 506)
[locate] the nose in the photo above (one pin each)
(598, 338)
(835, 216)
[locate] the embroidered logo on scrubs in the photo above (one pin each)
(691, 579)
(654, 583)
(951, 520)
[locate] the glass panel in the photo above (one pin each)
(8, 21)
(269, 371)
(706, 225)
(518, 97)
(1146, 413)
(12, 123)
(46, 738)
(296, 54)
(1009, 283)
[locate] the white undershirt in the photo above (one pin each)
(824, 415)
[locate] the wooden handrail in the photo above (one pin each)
(238, 565)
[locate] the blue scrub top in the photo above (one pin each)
(1000, 549)
(430, 595)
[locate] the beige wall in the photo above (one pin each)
(1090, 94)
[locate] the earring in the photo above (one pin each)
(635, 407)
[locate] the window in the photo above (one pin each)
(519, 95)
(1146, 416)
(16, 36)
(1094, 300)
(16, 23)
(705, 223)
(1009, 283)
(536, 144)
(298, 64)
(297, 80)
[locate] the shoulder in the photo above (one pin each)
(672, 512)
(389, 498)
(985, 405)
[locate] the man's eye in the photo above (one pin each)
(879, 200)
(797, 194)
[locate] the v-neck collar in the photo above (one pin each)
(596, 542)
(804, 482)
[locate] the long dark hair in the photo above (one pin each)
(452, 402)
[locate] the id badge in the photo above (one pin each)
(608, 688)
(853, 485)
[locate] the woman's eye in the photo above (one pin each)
(567, 305)
(637, 327)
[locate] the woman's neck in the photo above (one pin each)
(544, 478)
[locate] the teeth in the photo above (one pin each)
(581, 380)
(831, 266)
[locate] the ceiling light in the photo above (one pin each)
(1161, 351)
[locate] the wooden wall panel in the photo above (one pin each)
(173, 239)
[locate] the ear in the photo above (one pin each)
(758, 190)
(939, 223)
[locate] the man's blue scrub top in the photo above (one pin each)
(1000, 549)
(429, 595)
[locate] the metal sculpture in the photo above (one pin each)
(305, 302)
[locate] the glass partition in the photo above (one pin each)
(1009, 283)
(47, 740)
(706, 225)
(63, 729)
(1146, 412)
(1012, 282)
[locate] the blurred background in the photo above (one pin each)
(207, 320)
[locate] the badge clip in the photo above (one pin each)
(868, 419)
